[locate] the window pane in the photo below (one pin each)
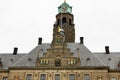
(4, 78)
(72, 77)
(86, 77)
(113, 78)
(43, 77)
(29, 77)
(57, 76)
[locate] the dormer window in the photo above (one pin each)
(11, 60)
(88, 59)
(109, 59)
(29, 59)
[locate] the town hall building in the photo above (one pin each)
(62, 59)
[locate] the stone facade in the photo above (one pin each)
(94, 73)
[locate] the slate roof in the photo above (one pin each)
(84, 54)
(111, 59)
(24, 61)
(9, 59)
(87, 58)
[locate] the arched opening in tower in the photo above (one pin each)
(64, 20)
(70, 22)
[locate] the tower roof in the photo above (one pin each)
(64, 8)
(65, 4)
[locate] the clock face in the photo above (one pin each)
(64, 8)
(59, 39)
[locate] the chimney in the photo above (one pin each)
(39, 41)
(81, 40)
(15, 51)
(107, 49)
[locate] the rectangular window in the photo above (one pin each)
(4, 78)
(43, 77)
(57, 76)
(86, 77)
(72, 77)
(113, 78)
(29, 77)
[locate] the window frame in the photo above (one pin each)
(55, 74)
(72, 74)
(4, 77)
(28, 74)
(113, 78)
(89, 77)
(41, 74)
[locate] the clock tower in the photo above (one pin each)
(59, 55)
(64, 22)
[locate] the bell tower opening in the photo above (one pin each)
(63, 20)
(58, 22)
(70, 22)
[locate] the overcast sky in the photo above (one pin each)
(22, 22)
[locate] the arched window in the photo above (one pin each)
(63, 20)
(70, 21)
(58, 21)
(58, 62)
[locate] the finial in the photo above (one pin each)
(64, 0)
